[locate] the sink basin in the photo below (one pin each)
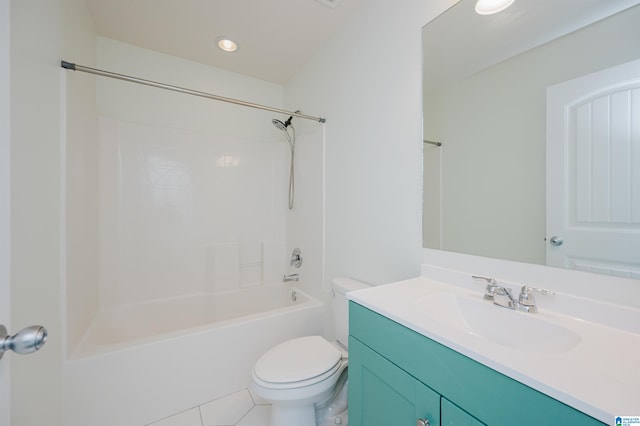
(506, 327)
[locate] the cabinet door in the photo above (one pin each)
(452, 415)
(382, 394)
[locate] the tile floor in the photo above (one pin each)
(238, 409)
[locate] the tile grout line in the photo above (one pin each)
(245, 414)
(199, 407)
(254, 406)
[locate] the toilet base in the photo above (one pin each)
(287, 415)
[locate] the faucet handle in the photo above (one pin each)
(527, 297)
(490, 280)
(492, 284)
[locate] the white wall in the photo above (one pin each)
(143, 104)
(367, 82)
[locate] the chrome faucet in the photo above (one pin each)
(290, 277)
(503, 296)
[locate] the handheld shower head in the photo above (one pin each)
(280, 125)
(291, 138)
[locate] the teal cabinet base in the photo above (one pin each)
(469, 393)
(382, 394)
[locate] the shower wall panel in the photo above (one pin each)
(184, 211)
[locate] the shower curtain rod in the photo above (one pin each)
(75, 67)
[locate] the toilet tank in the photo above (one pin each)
(340, 306)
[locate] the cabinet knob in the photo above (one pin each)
(422, 422)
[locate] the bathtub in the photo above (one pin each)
(142, 362)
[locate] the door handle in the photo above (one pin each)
(26, 341)
(556, 241)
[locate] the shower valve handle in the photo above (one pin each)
(296, 258)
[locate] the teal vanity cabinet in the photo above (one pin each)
(398, 377)
(388, 395)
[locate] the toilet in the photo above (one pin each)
(300, 374)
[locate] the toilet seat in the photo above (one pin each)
(297, 363)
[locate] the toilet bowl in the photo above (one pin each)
(299, 374)
(296, 375)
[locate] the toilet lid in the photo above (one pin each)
(297, 360)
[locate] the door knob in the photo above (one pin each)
(422, 422)
(556, 241)
(25, 341)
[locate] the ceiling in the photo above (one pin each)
(276, 37)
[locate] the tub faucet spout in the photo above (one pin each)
(290, 277)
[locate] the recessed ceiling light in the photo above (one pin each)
(226, 44)
(489, 7)
(330, 3)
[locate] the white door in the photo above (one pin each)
(593, 172)
(4, 202)
(31, 378)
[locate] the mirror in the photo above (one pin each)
(485, 81)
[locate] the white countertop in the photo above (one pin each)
(600, 375)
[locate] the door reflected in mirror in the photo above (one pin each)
(485, 85)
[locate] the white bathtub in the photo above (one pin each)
(139, 363)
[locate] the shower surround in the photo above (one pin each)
(172, 198)
(185, 211)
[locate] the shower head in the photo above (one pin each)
(280, 125)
